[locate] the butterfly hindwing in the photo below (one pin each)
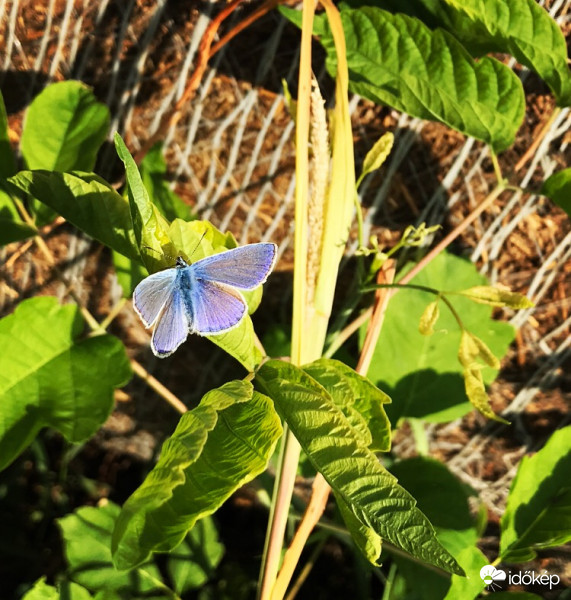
(215, 307)
(245, 267)
(172, 326)
(152, 293)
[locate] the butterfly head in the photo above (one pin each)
(181, 263)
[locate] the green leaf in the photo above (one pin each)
(557, 187)
(49, 377)
(495, 296)
(197, 239)
(425, 584)
(476, 393)
(88, 202)
(193, 563)
(153, 171)
(86, 535)
(351, 469)
(429, 318)
(422, 374)
(216, 448)
(434, 486)
(7, 159)
(41, 591)
(377, 155)
(360, 401)
(12, 227)
(64, 128)
(151, 228)
(365, 537)
(396, 60)
(538, 511)
(521, 28)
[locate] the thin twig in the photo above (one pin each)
(537, 140)
(156, 385)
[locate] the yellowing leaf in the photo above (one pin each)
(377, 154)
(495, 296)
(429, 318)
(477, 395)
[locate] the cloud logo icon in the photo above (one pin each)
(491, 575)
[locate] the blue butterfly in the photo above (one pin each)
(202, 297)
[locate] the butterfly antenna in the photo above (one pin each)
(198, 244)
(159, 253)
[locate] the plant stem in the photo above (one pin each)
(291, 449)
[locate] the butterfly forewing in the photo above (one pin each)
(152, 293)
(172, 326)
(215, 307)
(245, 268)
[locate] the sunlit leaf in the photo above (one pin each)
(476, 393)
(429, 318)
(360, 400)
(538, 511)
(397, 61)
(377, 155)
(216, 448)
(495, 296)
(351, 469)
(151, 228)
(88, 202)
(50, 377)
(64, 128)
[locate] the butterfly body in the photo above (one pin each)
(203, 297)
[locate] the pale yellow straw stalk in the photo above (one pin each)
(320, 178)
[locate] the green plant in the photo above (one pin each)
(339, 416)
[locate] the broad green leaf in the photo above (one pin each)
(365, 537)
(193, 563)
(422, 374)
(360, 401)
(557, 187)
(197, 239)
(377, 155)
(434, 487)
(64, 128)
(88, 202)
(66, 590)
(538, 511)
(216, 448)
(351, 469)
(86, 537)
(495, 296)
(396, 60)
(429, 318)
(151, 228)
(521, 28)
(42, 591)
(425, 584)
(50, 377)
(7, 159)
(153, 171)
